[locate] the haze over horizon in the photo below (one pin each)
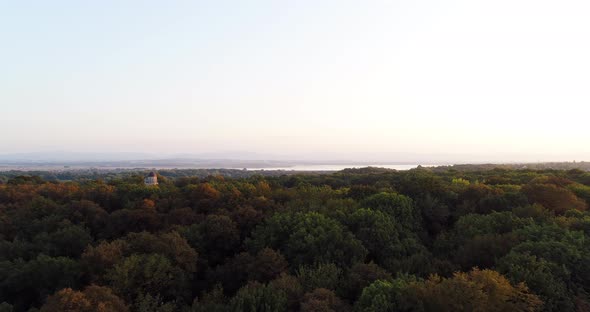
(229, 157)
(454, 81)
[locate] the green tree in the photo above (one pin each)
(69, 241)
(216, 238)
(547, 279)
(378, 232)
(149, 303)
(5, 307)
(27, 283)
(385, 296)
(319, 276)
(360, 276)
(256, 297)
(144, 274)
(212, 301)
(400, 207)
(308, 238)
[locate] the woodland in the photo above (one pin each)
(370, 239)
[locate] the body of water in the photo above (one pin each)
(341, 167)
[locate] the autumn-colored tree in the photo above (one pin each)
(477, 290)
(98, 259)
(204, 196)
(171, 245)
(553, 197)
(322, 300)
(147, 204)
(263, 189)
(67, 300)
(267, 265)
(92, 299)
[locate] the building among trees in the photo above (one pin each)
(151, 179)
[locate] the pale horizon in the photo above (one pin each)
(371, 81)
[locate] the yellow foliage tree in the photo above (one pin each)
(477, 291)
(92, 299)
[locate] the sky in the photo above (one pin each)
(453, 80)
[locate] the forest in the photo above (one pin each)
(495, 239)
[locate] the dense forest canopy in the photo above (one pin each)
(356, 240)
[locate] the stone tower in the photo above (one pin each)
(151, 179)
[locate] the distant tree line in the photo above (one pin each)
(107, 175)
(365, 239)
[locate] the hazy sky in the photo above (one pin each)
(364, 80)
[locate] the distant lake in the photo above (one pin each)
(340, 167)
